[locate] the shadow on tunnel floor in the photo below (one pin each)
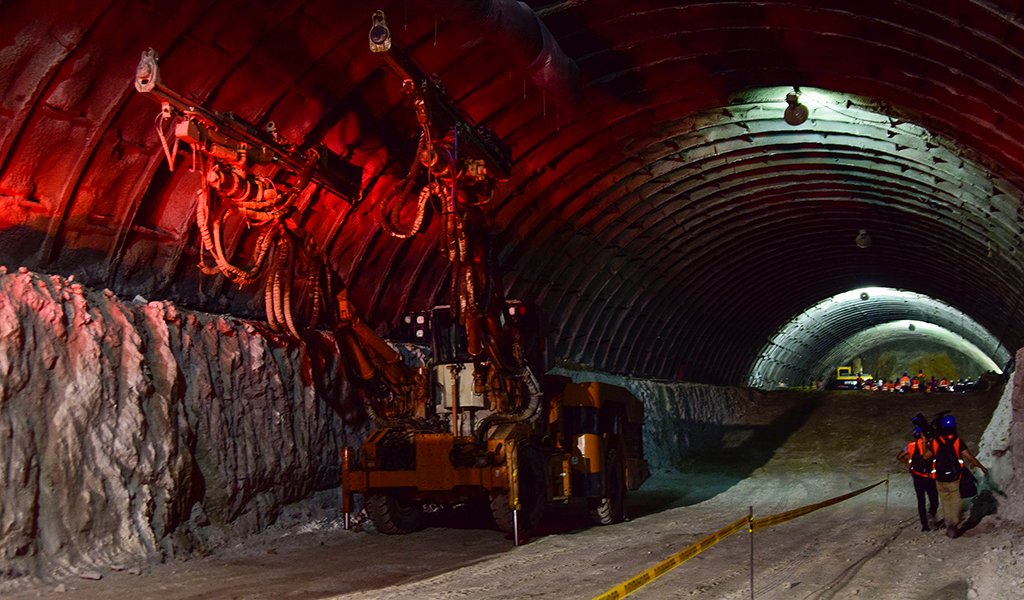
(985, 503)
(735, 453)
(843, 419)
(718, 467)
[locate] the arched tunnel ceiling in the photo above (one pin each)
(669, 222)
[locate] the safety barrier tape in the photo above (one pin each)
(782, 517)
(634, 583)
(638, 581)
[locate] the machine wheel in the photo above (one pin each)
(532, 494)
(392, 516)
(611, 508)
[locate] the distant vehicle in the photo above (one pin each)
(846, 379)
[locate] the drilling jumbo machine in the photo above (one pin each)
(469, 416)
(478, 420)
(480, 430)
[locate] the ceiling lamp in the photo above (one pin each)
(380, 35)
(796, 113)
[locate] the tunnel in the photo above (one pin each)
(709, 203)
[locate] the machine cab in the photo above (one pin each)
(459, 380)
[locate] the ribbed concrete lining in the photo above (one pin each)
(668, 228)
(739, 176)
(909, 197)
(904, 333)
(834, 331)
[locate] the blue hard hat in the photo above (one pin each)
(949, 422)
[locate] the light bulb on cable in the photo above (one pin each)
(796, 113)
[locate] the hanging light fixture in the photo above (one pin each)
(380, 35)
(863, 239)
(796, 113)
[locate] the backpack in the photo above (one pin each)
(948, 465)
(918, 463)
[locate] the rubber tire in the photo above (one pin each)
(392, 516)
(532, 494)
(611, 508)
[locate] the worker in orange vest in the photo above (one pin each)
(949, 453)
(918, 455)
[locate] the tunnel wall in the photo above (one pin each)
(131, 431)
(1002, 447)
(681, 420)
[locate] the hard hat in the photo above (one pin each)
(949, 422)
(917, 432)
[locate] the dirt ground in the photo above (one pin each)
(798, 449)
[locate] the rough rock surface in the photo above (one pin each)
(134, 431)
(1003, 446)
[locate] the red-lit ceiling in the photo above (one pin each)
(664, 232)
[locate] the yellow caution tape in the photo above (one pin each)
(789, 515)
(638, 581)
(633, 584)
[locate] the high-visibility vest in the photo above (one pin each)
(946, 440)
(914, 384)
(923, 468)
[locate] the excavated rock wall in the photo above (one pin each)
(130, 431)
(1002, 447)
(681, 420)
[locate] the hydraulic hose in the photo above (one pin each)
(529, 411)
